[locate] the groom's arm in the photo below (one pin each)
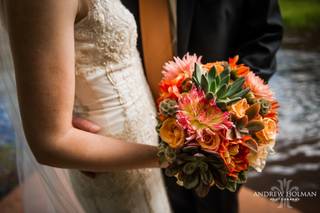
(261, 36)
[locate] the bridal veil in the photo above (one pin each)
(43, 189)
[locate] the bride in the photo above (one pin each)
(80, 56)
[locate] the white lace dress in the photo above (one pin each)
(111, 90)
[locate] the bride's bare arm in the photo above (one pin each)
(42, 40)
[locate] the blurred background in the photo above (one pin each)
(297, 87)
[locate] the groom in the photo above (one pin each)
(215, 29)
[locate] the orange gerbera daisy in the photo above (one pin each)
(174, 73)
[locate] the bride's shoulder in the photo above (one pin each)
(35, 10)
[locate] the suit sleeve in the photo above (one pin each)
(261, 36)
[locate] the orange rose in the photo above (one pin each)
(209, 141)
(172, 133)
(234, 154)
(218, 65)
(269, 132)
(239, 108)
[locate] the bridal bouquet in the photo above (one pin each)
(215, 121)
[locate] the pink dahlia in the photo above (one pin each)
(258, 87)
(180, 68)
(197, 115)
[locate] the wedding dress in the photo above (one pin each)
(111, 90)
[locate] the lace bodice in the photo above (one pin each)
(108, 68)
(112, 91)
(107, 36)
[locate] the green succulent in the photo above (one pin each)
(247, 124)
(202, 189)
(265, 106)
(251, 99)
(172, 170)
(232, 184)
(191, 181)
(218, 86)
(199, 172)
(168, 107)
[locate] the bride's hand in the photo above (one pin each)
(85, 125)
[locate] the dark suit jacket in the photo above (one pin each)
(219, 29)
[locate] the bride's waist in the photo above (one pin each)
(115, 119)
(88, 64)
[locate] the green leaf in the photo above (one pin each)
(235, 87)
(218, 80)
(231, 186)
(191, 181)
(204, 83)
(190, 149)
(190, 168)
(242, 122)
(195, 75)
(242, 177)
(265, 106)
(255, 126)
(241, 94)
(170, 154)
(212, 74)
(253, 111)
(215, 160)
(198, 72)
(220, 178)
(250, 98)
(202, 190)
(195, 81)
(220, 187)
(238, 83)
(203, 166)
(225, 80)
(221, 91)
(162, 158)
(206, 177)
(232, 100)
(172, 170)
(222, 105)
(213, 87)
(225, 73)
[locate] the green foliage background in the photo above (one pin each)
(301, 14)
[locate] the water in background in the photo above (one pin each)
(8, 176)
(297, 88)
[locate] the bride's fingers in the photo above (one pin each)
(85, 125)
